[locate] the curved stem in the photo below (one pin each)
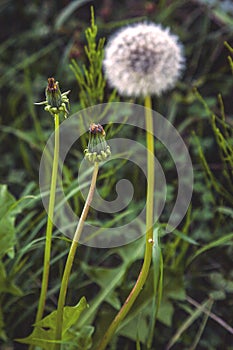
(49, 228)
(149, 231)
(70, 259)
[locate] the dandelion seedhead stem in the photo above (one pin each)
(149, 232)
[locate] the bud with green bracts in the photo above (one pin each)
(56, 102)
(98, 149)
(53, 93)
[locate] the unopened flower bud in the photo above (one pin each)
(98, 149)
(53, 93)
(56, 102)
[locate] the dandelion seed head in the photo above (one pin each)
(143, 59)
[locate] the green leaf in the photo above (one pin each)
(166, 311)
(174, 285)
(185, 237)
(224, 17)
(226, 211)
(137, 329)
(3, 335)
(6, 200)
(188, 322)
(6, 283)
(129, 253)
(103, 276)
(7, 238)
(7, 235)
(84, 340)
(26, 136)
(138, 346)
(71, 315)
(39, 337)
(44, 331)
(7, 220)
(142, 308)
(136, 325)
(219, 242)
(217, 295)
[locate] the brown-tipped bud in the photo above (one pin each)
(98, 149)
(53, 93)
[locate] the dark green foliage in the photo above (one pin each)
(48, 38)
(43, 333)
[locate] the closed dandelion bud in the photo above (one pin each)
(143, 59)
(98, 149)
(53, 93)
(56, 102)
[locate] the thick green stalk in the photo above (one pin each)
(49, 228)
(70, 259)
(149, 231)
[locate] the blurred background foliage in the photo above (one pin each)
(40, 39)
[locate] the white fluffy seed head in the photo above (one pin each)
(143, 59)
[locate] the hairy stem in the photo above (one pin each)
(149, 231)
(70, 259)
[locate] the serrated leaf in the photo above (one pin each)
(128, 253)
(39, 337)
(70, 316)
(44, 330)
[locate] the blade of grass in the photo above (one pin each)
(214, 317)
(217, 243)
(202, 327)
(188, 322)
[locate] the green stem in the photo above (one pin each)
(49, 228)
(149, 231)
(70, 259)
